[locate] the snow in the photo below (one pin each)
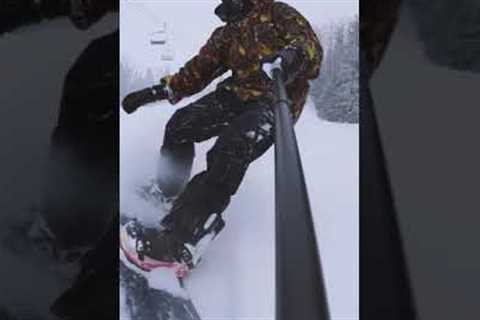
(236, 277)
(165, 279)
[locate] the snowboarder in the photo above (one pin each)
(257, 35)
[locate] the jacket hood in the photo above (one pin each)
(260, 3)
(253, 9)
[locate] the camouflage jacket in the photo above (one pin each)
(242, 46)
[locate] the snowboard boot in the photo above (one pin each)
(148, 249)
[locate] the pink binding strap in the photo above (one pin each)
(181, 270)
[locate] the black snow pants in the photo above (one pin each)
(245, 130)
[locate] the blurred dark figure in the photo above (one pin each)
(449, 33)
(81, 192)
(385, 291)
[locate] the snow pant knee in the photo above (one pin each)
(227, 164)
(248, 137)
(174, 167)
(198, 121)
(177, 129)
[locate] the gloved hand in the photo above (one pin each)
(290, 61)
(136, 99)
(269, 66)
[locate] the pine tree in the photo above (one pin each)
(336, 91)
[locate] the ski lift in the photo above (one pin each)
(161, 38)
(167, 55)
(158, 38)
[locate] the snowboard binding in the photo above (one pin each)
(193, 250)
(147, 249)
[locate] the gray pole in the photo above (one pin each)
(300, 289)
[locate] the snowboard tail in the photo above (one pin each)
(146, 303)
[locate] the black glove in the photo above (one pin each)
(136, 99)
(291, 62)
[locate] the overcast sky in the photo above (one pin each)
(192, 21)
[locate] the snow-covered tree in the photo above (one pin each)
(336, 91)
(133, 79)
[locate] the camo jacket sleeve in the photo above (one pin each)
(297, 32)
(199, 71)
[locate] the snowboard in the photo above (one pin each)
(161, 301)
(146, 303)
